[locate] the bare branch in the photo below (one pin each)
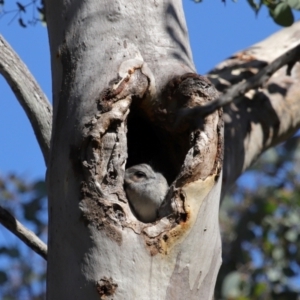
(237, 91)
(34, 102)
(26, 235)
(266, 116)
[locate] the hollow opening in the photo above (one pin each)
(148, 143)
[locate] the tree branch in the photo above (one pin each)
(30, 96)
(266, 116)
(26, 235)
(236, 92)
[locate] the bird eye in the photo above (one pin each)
(139, 174)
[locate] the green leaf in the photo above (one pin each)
(255, 6)
(21, 7)
(12, 252)
(270, 207)
(289, 272)
(235, 286)
(41, 10)
(19, 184)
(40, 188)
(282, 14)
(278, 253)
(21, 22)
(31, 208)
(274, 274)
(3, 277)
(269, 3)
(295, 4)
(260, 288)
(291, 235)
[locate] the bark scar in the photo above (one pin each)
(106, 288)
(103, 153)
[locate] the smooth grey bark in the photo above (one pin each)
(23, 233)
(30, 96)
(237, 92)
(266, 116)
(137, 50)
(39, 112)
(111, 51)
(119, 52)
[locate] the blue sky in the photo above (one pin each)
(216, 31)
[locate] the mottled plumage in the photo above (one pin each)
(145, 189)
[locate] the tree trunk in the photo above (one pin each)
(123, 66)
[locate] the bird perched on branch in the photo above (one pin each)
(146, 190)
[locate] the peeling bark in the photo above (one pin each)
(266, 116)
(121, 72)
(103, 155)
(116, 84)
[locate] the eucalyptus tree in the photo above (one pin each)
(125, 92)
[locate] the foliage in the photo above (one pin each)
(22, 272)
(280, 10)
(261, 229)
(260, 224)
(35, 9)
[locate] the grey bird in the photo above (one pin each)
(146, 190)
